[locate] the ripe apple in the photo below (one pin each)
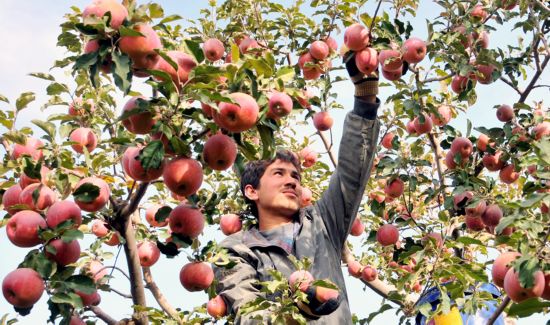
(100, 201)
(100, 7)
(541, 130)
(459, 84)
(466, 39)
(308, 156)
(478, 13)
(140, 123)
(207, 110)
(312, 74)
(423, 127)
(133, 168)
(323, 294)
(216, 307)
(45, 197)
(30, 148)
(196, 276)
(477, 210)
(186, 221)
(357, 227)
(185, 63)
(387, 235)
(183, 176)
(492, 215)
(89, 299)
(356, 37)
(22, 228)
(65, 252)
(23, 287)
(481, 39)
(332, 44)
(141, 49)
(493, 162)
(75, 320)
(96, 270)
(443, 115)
(307, 196)
(280, 105)
(300, 279)
(230, 223)
(462, 146)
(213, 49)
(482, 142)
(78, 107)
(484, 73)
(414, 50)
(84, 137)
(148, 253)
(113, 239)
(369, 274)
(248, 44)
(393, 75)
(390, 60)
(474, 223)
(62, 211)
(546, 292)
(237, 117)
(322, 121)
(387, 140)
(99, 228)
(450, 160)
(505, 113)
(319, 50)
(411, 128)
(11, 198)
(303, 100)
(355, 268)
(508, 174)
(150, 216)
(366, 60)
(520, 133)
(394, 188)
(25, 180)
(461, 200)
(435, 236)
(106, 67)
(501, 265)
(517, 292)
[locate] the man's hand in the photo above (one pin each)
(366, 87)
(320, 303)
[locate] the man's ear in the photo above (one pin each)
(250, 192)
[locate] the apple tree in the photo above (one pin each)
(161, 118)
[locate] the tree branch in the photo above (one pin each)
(527, 90)
(102, 315)
(509, 83)
(499, 311)
(159, 297)
(124, 295)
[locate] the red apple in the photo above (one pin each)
(369, 274)
(387, 140)
(411, 128)
(392, 75)
(30, 148)
(280, 105)
(97, 203)
(305, 199)
(78, 107)
(520, 133)
(183, 176)
(505, 113)
(546, 292)
(492, 215)
(482, 142)
(100, 7)
(481, 40)
(459, 84)
(331, 42)
(443, 115)
(435, 236)
(11, 198)
(501, 265)
(207, 110)
(462, 199)
(423, 127)
(478, 13)
(196, 276)
(84, 137)
(62, 211)
(213, 49)
(450, 160)
(322, 121)
(96, 270)
(185, 63)
(484, 73)
(65, 252)
(133, 168)
(477, 210)
(387, 235)
(23, 287)
(355, 268)
(541, 130)
(357, 227)
(248, 44)
(148, 253)
(319, 50)
(394, 188)
(25, 180)
(508, 174)
(89, 299)
(22, 228)
(140, 123)
(366, 60)
(113, 239)
(45, 197)
(99, 228)
(237, 117)
(308, 156)
(474, 223)
(230, 224)
(216, 307)
(186, 221)
(75, 320)
(517, 292)
(414, 50)
(390, 60)
(300, 279)
(467, 39)
(356, 37)
(150, 216)
(462, 146)
(493, 162)
(141, 49)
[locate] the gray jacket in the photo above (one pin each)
(320, 229)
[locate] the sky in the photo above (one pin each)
(28, 31)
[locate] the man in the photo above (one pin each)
(272, 189)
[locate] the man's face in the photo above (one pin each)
(279, 190)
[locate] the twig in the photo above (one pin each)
(329, 148)
(438, 78)
(102, 315)
(509, 83)
(159, 297)
(499, 311)
(120, 293)
(541, 5)
(374, 19)
(527, 90)
(114, 268)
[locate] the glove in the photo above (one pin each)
(364, 85)
(314, 308)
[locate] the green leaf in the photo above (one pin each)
(194, 48)
(81, 283)
(152, 155)
(4, 99)
(170, 19)
(162, 213)
(268, 142)
(121, 72)
(40, 75)
(48, 127)
(67, 298)
(155, 11)
(125, 31)
(40, 263)
(72, 234)
(86, 60)
(528, 307)
(86, 193)
(470, 241)
(286, 74)
(543, 150)
(23, 100)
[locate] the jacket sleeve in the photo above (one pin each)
(339, 204)
(237, 286)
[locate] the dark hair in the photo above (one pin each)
(254, 170)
